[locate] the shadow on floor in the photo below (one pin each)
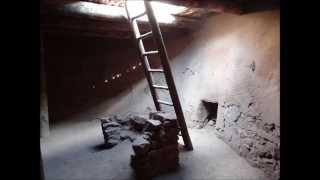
(99, 147)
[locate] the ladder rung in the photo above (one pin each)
(164, 102)
(155, 70)
(139, 15)
(149, 53)
(148, 34)
(160, 87)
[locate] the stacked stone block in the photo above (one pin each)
(117, 128)
(156, 151)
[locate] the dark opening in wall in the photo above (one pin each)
(211, 110)
(208, 113)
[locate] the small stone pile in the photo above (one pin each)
(156, 151)
(154, 137)
(117, 128)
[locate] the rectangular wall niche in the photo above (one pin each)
(209, 112)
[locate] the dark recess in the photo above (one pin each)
(211, 110)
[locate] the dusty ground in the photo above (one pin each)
(74, 152)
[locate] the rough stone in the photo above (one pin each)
(124, 120)
(138, 122)
(164, 159)
(111, 131)
(269, 127)
(211, 123)
(153, 124)
(162, 116)
(155, 145)
(232, 113)
(252, 137)
(157, 150)
(155, 141)
(110, 124)
(247, 141)
(125, 134)
(172, 132)
(277, 153)
(148, 135)
(104, 120)
(170, 123)
(245, 149)
(141, 146)
(111, 142)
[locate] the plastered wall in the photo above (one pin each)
(88, 77)
(233, 60)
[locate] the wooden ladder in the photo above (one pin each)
(155, 33)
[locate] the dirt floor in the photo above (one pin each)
(74, 151)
